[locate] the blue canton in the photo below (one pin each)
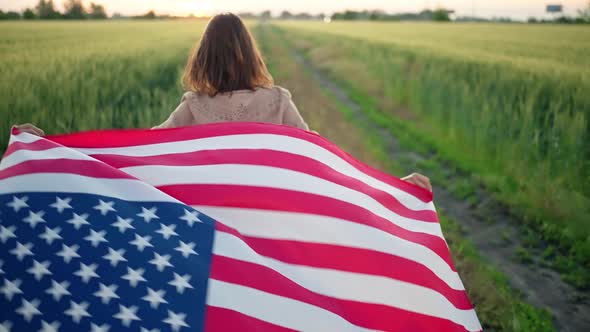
(79, 262)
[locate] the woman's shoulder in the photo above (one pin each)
(274, 91)
(191, 96)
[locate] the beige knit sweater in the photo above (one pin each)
(270, 105)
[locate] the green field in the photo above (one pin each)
(507, 106)
(70, 75)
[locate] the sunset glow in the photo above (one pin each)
(519, 9)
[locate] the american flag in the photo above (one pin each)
(220, 227)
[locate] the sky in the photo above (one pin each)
(516, 9)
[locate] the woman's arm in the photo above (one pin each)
(291, 115)
(182, 116)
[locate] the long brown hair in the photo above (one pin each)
(226, 59)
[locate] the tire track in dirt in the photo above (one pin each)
(486, 223)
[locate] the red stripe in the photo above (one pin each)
(225, 320)
(88, 168)
(279, 159)
(372, 316)
(300, 202)
(38, 145)
(358, 261)
(133, 137)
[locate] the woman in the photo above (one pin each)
(228, 81)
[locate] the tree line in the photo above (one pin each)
(442, 14)
(73, 9)
(46, 10)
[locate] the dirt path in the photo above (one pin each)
(488, 226)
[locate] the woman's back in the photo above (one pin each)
(270, 105)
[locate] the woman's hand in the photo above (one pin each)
(30, 128)
(419, 180)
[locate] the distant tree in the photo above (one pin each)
(303, 16)
(29, 14)
(46, 10)
(9, 16)
(265, 15)
(565, 20)
(377, 15)
(97, 11)
(285, 15)
(584, 13)
(350, 15)
(532, 20)
(74, 9)
(247, 15)
(440, 15)
(150, 15)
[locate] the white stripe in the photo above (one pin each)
(272, 142)
(21, 156)
(126, 189)
(24, 138)
(328, 230)
(353, 286)
(273, 177)
(277, 310)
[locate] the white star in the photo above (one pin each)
(34, 218)
(143, 329)
(127, 314)
(106, 293)
(161, 262)
(58, 289)
(69, 252)
(87, 272)
(123, 224)
(141, 242)
(78, 220)
(6, 325)
(181, 282)
(190, 217)
(167, 231)
(155, 297)
(29, 309)
(7, 233)
(105, 207)
(22, 250)
(134, 276)
(11, 288)
(186, 249)
(101, 328)
(95, 238)
(18, 203)
(51, 234)
(46, 327)
(39, 269)
(115, 256)
(148, 215)
(176, 321)
(61, 204)
(77, 311)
